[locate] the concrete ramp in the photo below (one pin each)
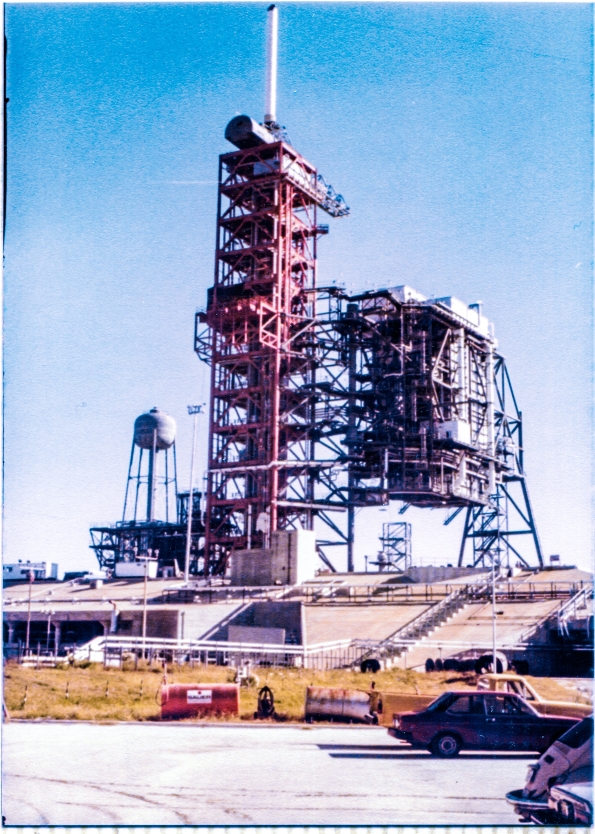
(199, 620)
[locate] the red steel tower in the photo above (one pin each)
(261, 337)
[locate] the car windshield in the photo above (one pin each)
(519, 688)
(441, 703)
(579, 734)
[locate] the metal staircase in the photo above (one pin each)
(413, 632)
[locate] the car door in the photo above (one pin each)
(511, 723)
(466, 717)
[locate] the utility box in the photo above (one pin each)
(457, 430)
(290, 560)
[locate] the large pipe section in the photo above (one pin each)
(270, 105)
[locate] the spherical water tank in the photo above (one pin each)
(154, 421)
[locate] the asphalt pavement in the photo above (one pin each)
(170, 774)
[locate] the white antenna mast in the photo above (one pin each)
(270, 105)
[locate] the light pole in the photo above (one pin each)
(195, 410)
(51, 613)
(494, 661)
(148, 554)
(31, 578)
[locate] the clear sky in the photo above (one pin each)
(459, 134)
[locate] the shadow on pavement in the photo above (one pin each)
(392, 747)
(420, 754)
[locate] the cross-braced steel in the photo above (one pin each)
(494, 531)
(261, 343)
(396, 546)
(425, 414)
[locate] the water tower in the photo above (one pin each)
(154, 525)
(150, 475)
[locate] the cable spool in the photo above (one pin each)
(266, 703)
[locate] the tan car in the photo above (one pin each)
(517, 685)
(386, 705)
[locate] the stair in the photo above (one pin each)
(409, 635)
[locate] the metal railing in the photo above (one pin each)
(569, 610)
(113, 650)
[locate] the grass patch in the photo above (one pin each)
(88, 692)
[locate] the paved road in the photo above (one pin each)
(141, 774)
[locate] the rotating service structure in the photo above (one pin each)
(429, 416)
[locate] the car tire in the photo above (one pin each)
(445, 745)
(484, 664)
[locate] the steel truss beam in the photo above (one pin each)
(489, 530)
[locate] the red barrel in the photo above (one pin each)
(189, 700)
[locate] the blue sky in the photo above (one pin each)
(459, 134)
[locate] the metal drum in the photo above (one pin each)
(349, 705)
(191, 700)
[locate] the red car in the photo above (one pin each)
(479, 721)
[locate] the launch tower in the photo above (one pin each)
(261, 335)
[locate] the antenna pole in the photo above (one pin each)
(270, 105)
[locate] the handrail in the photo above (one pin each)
(105, 642)
(570, 607)
(562, 609)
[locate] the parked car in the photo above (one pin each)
(567, 761)
(572, 803)
(518, 685)
(479, 721)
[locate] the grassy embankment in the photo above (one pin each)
(88, 692)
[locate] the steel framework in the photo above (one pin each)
(323, 403)
(163, 541)
(424, 412)
(490, 531)
(260, 340)
(396, 546)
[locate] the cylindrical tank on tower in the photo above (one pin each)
(244, 132)
(154, 421)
